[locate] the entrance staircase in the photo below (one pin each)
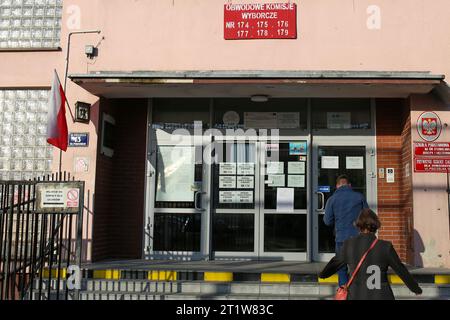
(231, 282)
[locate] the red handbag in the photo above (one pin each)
(342, 292)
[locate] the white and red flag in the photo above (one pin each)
(57, 132)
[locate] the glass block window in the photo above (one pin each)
(28, 24)
(24, 151)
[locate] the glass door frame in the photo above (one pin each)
(371, 180)
(250, 255)
(154, 140)
(286, 256)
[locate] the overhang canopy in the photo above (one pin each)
(276, 84)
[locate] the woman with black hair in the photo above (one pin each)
(371, 281)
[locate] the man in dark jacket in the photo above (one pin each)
(342, 210)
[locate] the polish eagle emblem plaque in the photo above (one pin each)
(429, 126)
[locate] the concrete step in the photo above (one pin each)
(253, 289)
(118, 296)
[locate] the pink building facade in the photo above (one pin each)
(161, 65)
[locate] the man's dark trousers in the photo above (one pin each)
(343, 272)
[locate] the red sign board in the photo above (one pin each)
(260, 21)
(437, 149)
(432, 165)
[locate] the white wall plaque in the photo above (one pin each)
(227, 168)
(227, 182)
(245, 182)
(243, 196)
(246, 169)
(226, 196)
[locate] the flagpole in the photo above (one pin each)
(66, 74)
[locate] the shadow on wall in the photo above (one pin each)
(419, 249)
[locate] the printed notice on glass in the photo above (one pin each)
(285, 200)
(227, 168)
(276, 180)
(246, 169)
(257, 120)
(339, 120)
(227, 182)
(176, 173)
(354, 162)
(288, 120)
(226, 196)
(275, 168)
(243, 196)
(245, 182)
(330, 163)
(296, 181)
(296, 167)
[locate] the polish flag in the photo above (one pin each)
(57, 132)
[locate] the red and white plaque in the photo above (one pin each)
(432, 165)
(260, 21)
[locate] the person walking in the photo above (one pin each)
(341, 210)
(371, 281)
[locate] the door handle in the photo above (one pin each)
(197, 197)
(321, 195)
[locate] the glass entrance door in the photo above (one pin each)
(235, 215)
(332, 158)
(178, 213)
(260, 207)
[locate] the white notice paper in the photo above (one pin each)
(297, 181)
(246, 169)
(226, 196)
(330, 162)
(296, 167)
(227, 182)
(243, 196)
(276, 180)
(227, 168)
(285, 200)
(354, 162)
(245, 182)
(275, 168)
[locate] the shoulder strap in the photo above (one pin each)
(361, 262)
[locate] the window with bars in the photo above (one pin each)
(30, 24)
(24, 151)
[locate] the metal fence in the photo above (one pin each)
(37, 249)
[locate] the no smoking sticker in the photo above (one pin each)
(73, 198)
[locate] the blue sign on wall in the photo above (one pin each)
(325, 189)
(79, 140)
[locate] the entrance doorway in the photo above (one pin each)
(334, 156)
(212, 195)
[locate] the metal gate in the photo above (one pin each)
(40, 252)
